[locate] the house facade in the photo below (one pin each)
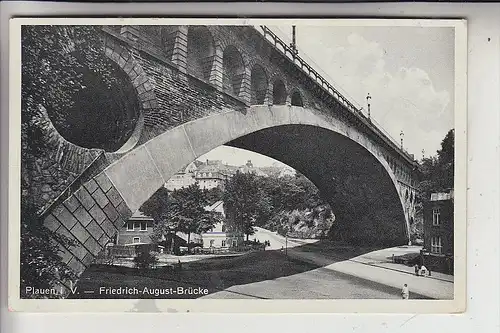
(438, 232)
(216, 237)
(137, 230)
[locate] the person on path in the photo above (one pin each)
(416, 269)
(423, 270)
(405, 292)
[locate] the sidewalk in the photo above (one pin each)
(438, 286)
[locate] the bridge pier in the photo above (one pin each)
(91, 218)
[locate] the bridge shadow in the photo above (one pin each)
(214, 274)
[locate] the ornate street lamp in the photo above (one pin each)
(368, 102)
(402, 135)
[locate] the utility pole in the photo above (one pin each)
(368, 102)
(286, 243)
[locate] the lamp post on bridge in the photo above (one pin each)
(293, 45)
(368, 102)
(423, 154)
(402, 135)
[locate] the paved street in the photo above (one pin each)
(368, 275)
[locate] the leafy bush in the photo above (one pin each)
(146, 259)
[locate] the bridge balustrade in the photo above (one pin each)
(306, 68)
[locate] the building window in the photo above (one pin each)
(223, 243)
(136, 240)
(137, 225)
(436, 216)
(130, 226)
(211, 243)
(436, 245)
(144, 226)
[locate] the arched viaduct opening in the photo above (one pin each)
(365, 202)
(358, 187)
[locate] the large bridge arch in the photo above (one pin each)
(93, 214)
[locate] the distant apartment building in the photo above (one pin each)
(214, 174)
(211, 176)
(182, 179)
(438, 232)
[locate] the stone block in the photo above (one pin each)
(111, 212)
(109, 228)
(85, 198)
(97, 214)
(76, 266)
(51, 223)
(64, 254)
(71, 203)
(79, 251)
(65, 232)
(124, 211)
(135, 176)
(93, 247)
(170, 151)
(89, 259)
(105, 239)
(206, 134)
(239, 123)
(271, 116)
(66, 218)
(83, 216)
(91, 186)
(58, 210)
(103, 181)
(94, 230)
(100, 198)
(128, 65)
(114, 197)
(80, 233)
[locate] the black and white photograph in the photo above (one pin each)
(215, 160)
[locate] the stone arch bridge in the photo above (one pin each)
(189, 89)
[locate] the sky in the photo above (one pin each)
(408, 72)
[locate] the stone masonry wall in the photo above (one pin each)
(91, 217)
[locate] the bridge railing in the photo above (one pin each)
(292, 54)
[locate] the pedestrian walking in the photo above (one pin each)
(405, 292)
(416, 269)
(423, 270)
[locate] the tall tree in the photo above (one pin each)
(246, 202)
(438, 171)
(161, 207)
(192, 217)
